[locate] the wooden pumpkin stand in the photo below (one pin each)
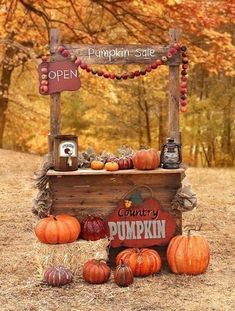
(87, 191)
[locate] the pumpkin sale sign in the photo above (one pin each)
(140, 224)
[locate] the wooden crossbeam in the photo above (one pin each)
(120, 54)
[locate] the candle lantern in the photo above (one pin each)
(65, 153)
(171, 155)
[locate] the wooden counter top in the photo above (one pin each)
(88, 171)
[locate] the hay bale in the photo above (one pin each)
(71, 255)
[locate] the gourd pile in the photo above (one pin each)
(186, 254)
(126, 158)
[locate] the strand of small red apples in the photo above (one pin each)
(174, 49)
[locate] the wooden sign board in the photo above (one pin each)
(140, 225)
(60, 75)
(121, 54)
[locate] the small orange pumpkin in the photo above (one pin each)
(97, 165)
(96, 271)
(142, 261)
(188, 254)
(111, 166)
(58, 229)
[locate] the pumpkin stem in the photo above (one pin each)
(101, 259)
(198, 228)
(54, 217)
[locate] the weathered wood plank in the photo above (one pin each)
(55, 109)
(173, 110)
(88, 171)
(119, 54)
(106, 189)
(91, 184)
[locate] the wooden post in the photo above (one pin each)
(55, 109)
(173, 127)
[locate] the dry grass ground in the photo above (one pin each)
(20, 289)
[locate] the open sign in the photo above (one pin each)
(58, 76)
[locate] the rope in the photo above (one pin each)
(137, 187)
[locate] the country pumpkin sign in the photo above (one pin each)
(140, 223)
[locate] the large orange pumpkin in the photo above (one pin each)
(188, 254)
(142, 261)
(96, 271)
(146, 159)
(58, 229)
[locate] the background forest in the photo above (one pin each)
(106, 114)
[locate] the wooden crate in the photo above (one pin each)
(87, 191)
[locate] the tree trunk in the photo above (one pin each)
(146, 110)
(226, 139)
(5, 78)
(147, 122)
(140, 130)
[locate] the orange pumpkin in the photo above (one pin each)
(146, 159)
(96, 271)
(142, 261)
(58, 229)
(188, 254)
(97, 165)
(111, 166)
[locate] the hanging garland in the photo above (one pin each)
(173, 50)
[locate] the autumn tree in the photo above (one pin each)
(208, 30)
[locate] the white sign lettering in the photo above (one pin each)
(110, 54)
(129, 230)
(62, 74)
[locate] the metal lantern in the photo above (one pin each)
(171, 155)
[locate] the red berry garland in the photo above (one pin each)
(174, 49)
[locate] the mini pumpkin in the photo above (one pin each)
(125, 163)
(188, 254)
(58, 276)
(111, 166)
(58, 229)
(146, 159)
(123, 275)
(97, 165)
(142, 261)
(96, 271)
(94, 228)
